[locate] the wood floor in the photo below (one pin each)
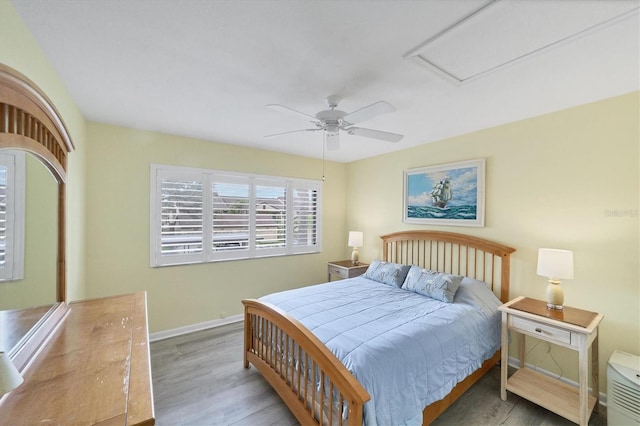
(199, 379)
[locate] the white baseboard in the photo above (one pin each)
(161, 335)
(515, 362)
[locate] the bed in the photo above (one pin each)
(328, 376)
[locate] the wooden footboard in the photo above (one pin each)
(314, 384)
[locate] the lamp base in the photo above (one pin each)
(355, 256)
(555, 296)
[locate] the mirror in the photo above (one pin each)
(24, 301)
(33, 302)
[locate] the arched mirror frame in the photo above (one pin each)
(30, 122)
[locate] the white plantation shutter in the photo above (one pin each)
(179, 217)
(182, 220)
(12, 215)
(305, 222)
(5, 170)
(206, 215)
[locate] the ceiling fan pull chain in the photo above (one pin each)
(324, 144)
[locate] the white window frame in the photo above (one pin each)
(208, 177)
(13, 267)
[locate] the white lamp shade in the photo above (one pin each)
(555, 263)
(355, 239)
(9, 376)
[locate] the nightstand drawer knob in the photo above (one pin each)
(538, 329)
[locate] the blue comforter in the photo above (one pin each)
(407, 350)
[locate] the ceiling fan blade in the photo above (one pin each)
(376, 134)
(290, 111)
(333, 141)
(292, 131)
(363, 114)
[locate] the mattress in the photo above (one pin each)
(406, 349)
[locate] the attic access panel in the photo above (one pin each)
(502, 32)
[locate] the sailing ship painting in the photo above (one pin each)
(441, 193)
(448, 194)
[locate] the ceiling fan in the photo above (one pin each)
(332, 120)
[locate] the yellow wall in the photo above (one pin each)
(563, 180)
(19, 50)
(567, 180)
(117, 232)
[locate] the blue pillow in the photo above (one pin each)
(387, 273)
(436, 285)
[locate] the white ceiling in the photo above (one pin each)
(207, 68)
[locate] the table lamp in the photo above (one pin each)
(355, 241)
(9, 376)
(555, 264)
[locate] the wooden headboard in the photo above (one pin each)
(452, 253)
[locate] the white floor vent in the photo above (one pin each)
(623, 389)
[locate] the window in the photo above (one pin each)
(207, 215)
(12, 191)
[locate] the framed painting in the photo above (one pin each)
(447, 194)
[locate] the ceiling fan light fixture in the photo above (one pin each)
(332, 129)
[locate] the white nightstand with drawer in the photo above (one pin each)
(572, 328)
(345, 269)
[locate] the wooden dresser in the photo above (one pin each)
(95, 369)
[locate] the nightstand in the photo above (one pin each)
(571, 328)
(345, 269)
